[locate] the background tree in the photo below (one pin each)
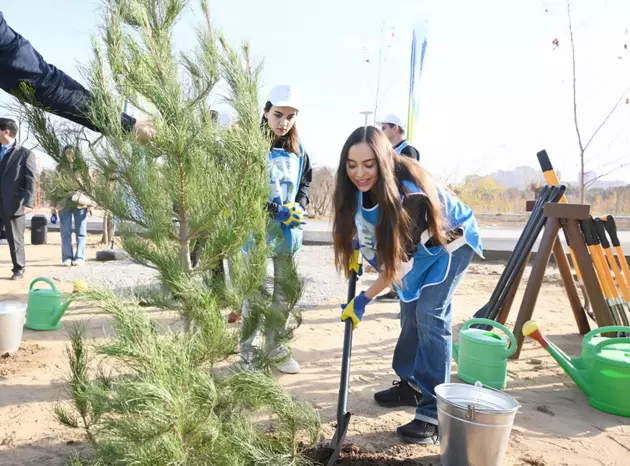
(321, 191)
(585, 142)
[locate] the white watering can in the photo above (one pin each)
(12, 317)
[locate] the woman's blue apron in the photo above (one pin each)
(430, 265)
(285, 173)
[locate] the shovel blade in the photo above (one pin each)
(337, 441)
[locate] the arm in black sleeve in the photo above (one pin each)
(54, 89)
(411, 152)
(417, 207)
(305, 183)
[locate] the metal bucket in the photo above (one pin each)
(12, 317)
(475, 424)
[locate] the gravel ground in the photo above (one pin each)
(322, 283)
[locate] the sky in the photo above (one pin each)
(494, 90)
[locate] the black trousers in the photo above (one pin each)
(14, 227)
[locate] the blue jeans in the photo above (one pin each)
(423, 353)
(80, 226)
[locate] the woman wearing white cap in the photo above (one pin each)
(290, 177)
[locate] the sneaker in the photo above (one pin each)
(391, 295)
(419, 432)
(78, 262)
(289, 367)
(401, 394)
(67, 263)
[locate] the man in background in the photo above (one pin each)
(18, 184)
(394, 129)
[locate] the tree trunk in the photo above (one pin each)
(105, 237)
(184, 255)
(582, 178)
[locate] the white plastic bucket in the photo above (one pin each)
(12, 318)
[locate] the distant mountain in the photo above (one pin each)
(520, 178)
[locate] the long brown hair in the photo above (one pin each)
(290, 141)
(394, 226)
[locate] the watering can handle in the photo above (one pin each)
(512, 349)
(610, 341)
(42, 279)
(612, 328)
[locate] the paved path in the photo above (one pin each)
(494, 239)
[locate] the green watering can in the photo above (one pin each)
(44, 308)
(482, 355)
(592, 339)
(603, 371)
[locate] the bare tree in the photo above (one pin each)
(581, 145)
(322, 190)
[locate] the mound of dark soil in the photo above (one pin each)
(353, 455)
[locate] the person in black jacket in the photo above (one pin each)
(53, 89)
(18, 183)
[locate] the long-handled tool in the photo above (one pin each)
(600, 230)
(343, 416)
(555, 194)
(588, 230)
(611, 228)
(552, 178)
(521, 252)
(512, 263)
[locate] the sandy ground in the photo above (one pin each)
(555, 425)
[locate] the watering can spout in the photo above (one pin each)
(61, 311)
(530, 329)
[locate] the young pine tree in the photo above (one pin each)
(198, 188)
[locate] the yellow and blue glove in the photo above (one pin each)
(291, 215)
(354, 261)
(354, 309)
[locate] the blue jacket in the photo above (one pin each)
(54, 89)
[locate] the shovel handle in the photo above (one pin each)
(342, 402)
(601, 233)
(587, 231)
(611, 228)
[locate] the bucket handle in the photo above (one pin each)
(42, 279)
(611, 328)
(512, 348)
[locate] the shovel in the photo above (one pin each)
(343, 416)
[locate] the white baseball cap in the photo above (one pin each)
(284, 95)
(392, 120)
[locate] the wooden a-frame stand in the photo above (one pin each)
(565, 216)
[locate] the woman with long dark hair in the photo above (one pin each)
(420, 238)
(290, 176)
